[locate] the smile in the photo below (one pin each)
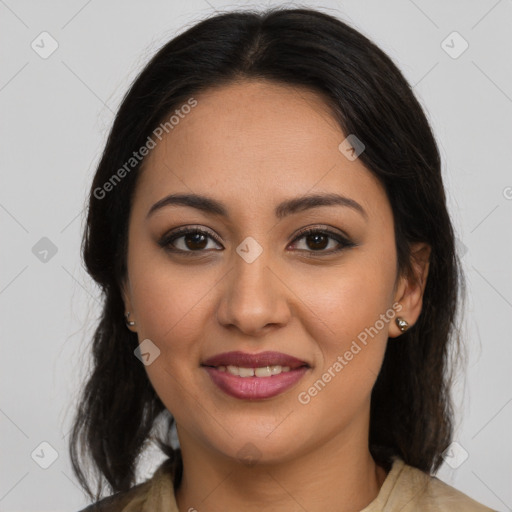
(262, 371)
(257, 376)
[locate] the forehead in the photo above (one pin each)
(256, 140)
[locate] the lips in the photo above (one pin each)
(247, 360)
(284, 371)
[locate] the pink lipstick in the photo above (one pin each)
(254, 376)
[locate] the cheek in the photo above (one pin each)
(172, 306)
(352, 338)
(169, 299)
(347, 300)
(350, 319)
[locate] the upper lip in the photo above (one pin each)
(246, 360)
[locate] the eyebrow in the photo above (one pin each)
(287, 207)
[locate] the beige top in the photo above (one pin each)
(405, 489)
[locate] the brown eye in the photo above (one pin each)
(318, 240)
(195, 241)
(187, 240)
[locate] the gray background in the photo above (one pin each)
(56, 112)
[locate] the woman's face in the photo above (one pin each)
(254, 283)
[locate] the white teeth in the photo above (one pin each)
(233, 370)
(275, 370)
(263, 371)
(246, 372)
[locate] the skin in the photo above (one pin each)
(252, 145)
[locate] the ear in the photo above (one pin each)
(410, 289)
(126, 295)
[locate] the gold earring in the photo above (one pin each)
(129, 323)
(402, 324)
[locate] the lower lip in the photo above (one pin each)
(255, 388)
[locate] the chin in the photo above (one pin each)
(259, 450)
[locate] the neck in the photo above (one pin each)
(339, 476)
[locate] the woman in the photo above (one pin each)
(269, 227)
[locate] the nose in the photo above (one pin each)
(255, 298)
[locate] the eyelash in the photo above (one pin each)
(171, 237)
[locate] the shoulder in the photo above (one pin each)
(134, 497)
(415, 490)
(120, 500)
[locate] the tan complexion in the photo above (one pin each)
(250, 146)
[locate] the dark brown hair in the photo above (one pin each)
(411, 413)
